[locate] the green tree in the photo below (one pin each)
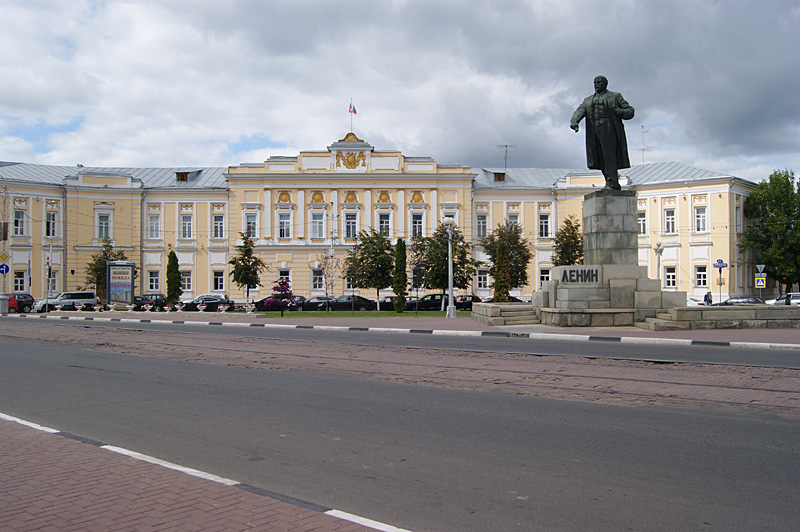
(569, 243)
(96, 268)
(516, 247)
(400, 276)
(282, 296)
(429, 262)
(502, 273)
(247, 266)
(369, 264)
(773, 229)
(174, 290)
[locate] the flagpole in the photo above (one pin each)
(350, 112)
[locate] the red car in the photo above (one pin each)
(20, 302)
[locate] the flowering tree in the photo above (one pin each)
(282, 296)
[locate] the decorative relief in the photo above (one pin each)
(351, 137)
(106, 204)
(317, 197)
(350, 159)
(417, 197)
(513, 206)
(218, 207)
(20, 202)
(482, 207)
(154, 207)
(669, 201)
(350, 197)
(52, 204)
(284, 197)
(186, 207)
(699, 200)
(384, 197)
(642, 204)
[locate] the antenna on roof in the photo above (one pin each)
(643, 148)
(505, 157)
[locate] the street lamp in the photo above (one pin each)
(659, 249)
(449, 222)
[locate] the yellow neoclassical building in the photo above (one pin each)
(301, 210)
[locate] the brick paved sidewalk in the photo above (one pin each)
(54, 483)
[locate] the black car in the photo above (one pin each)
(20, 303)
(465, 302)
(159, 301)
(269, 304)
(741, 300)
(317, 303)
(387, 303)
(212, 303)
(428, 302)
(511, 299)
(353, 303)
(139, 302)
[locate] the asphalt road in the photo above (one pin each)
(422, 458)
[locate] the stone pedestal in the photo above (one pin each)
(610, 227)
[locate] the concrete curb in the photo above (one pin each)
(435, 332)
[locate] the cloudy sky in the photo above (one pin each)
(216, 82)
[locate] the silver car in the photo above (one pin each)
(68, 301)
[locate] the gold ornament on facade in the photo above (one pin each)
(284, 197)
(351, 137)
(350, 159)
(350, 197)
(317, 197)
(384, 197)
(416, 197)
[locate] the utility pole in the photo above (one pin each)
(643, 148)
(3, 256)
(505, 156)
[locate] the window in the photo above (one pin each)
(154, 226)
(317, 225)
(482, 280)
(349, 225)
(480, 226)
(186, 281)
(218, 226)
(544, 276)
(317, 279)
(19, 280)
(513, 219)
(19, 223)
(186, 226)
(103, 225)
(218, 280)
(738, 219)
(641, 217)
(51, 224)
(669, 221)
(284, 274)
(383, 224)
(670, 277)
(699, 219)
(52, 281)
(153, 284)
(544, 226)
(250, 224)
(701, 276)
(284, 225)
(416, 224)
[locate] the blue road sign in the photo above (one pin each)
(4, 268)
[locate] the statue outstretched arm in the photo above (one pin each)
(577, 116)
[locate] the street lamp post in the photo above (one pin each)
(659, 249)
(449, 222)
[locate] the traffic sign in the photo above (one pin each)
(761, 282)
(719, 264)
(3, 256)
(4, 268)
(760, 267)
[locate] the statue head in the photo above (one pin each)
(600, 83)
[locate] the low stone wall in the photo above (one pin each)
(734, 317)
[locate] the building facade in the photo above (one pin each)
(304, 213)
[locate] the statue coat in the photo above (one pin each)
(612, 100)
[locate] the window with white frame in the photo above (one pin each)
(103, 225)
(416, 224)
(153, 281)
(284, 225)
(481, 226)
(317, 225)
(383, 223)
(250, 224)
(738, 218)
(285, 273)
(317, 279)
(218, 226)
(186, 280)
(218, 280)
(701, 276)
(350, 225)
(52, 281)
(51, 224)
(19, 280)
(186, 226)
(669, 221)
(153, 226)
(641, 217)
(670, 277)
(19, 223)
(513, 219)
(544, 276)
(544, 225)
(482, 279)
(699, 219)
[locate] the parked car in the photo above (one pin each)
(140, 301)
(465, 302)
(20, 303)
(159, 301)
(794, 299)
(211, 302)
(427, 302)
(694, 302)
(741, 300)
(511, 299)
(387, 303)
(317, 303)
(352, 302)
(86, 299)
(269, 304)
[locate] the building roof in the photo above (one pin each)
(199, 177)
